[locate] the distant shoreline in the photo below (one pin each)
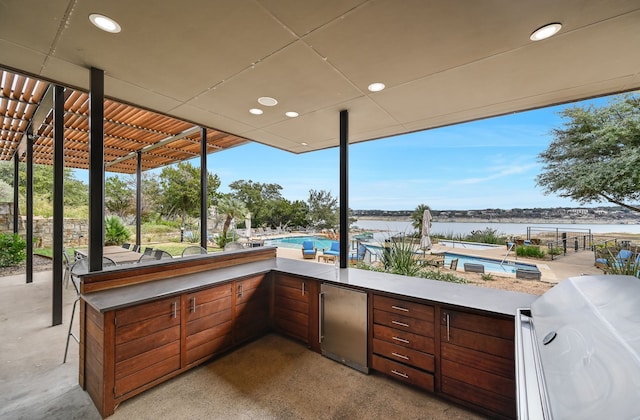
(584, 221)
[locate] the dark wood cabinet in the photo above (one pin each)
(252, 301)
(295, 308)
(403, 341)
(477, 360)
(208, 325)
(147, 343)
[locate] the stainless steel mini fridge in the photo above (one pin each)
(343, 325)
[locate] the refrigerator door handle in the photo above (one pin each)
(321, 316)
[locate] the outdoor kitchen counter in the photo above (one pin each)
(472, 297)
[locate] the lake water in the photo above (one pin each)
(455, 228)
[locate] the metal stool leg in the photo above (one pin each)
(73, 313)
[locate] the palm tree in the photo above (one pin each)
(417, 215)
(233, 209)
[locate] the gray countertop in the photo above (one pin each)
(491, 300)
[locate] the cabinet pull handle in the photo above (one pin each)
(321, 317)
(404, 375)
(174, 305)
(193, 304)
(240, 291)
(302, 288)
(399, 308)
(402, 324)
(448, 327)
(402, 356)
(402, 340)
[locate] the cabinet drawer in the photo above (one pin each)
(161, 308)
(403, 373)
(481, 324)
(405, 323)
(404, 339)
(404, 355)
(197, 309)
(477, 341)
(403, 307)
(250, 283)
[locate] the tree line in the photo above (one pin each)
(174, 195)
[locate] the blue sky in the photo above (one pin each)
(490, 163)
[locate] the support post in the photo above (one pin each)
(204, 187)
(29, 205)
(58, 203)
(344, 188)
(139, 199)
(16, 195)
(96, 169)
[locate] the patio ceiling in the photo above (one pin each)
(127, 129)
(208, 61)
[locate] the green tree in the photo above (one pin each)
(232, 208)
(6, 192)
(417, 216)
(595, 156)
(260, 199)
(119, 197)
(323, 209)
(181, 190)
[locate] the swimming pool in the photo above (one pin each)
(296, 242)
(467, 245)
(489, 264)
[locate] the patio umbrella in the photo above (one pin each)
(425, 241)
(247, 222)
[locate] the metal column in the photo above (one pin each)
(139, 199)
(96, 169)
(344, 188)
(16, 195)
(204, 186)
(58, 203)
(29, 198)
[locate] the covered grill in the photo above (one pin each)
(578, 351)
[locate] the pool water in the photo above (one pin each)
(296, 242)
(489, 264)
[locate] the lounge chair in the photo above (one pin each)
(621, 260)
(334, 250)
(308, 250)
(359, 255)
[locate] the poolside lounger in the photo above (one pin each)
(473, 268)
(528, 274)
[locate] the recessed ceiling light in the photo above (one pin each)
(256, 111)
(304, 144)
(376, 87)
(545, 32)
(291, 114)
(267, 101)
(105, 23)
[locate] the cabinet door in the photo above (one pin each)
(252, 296)
(147, 343)
(477, 360)
(291, 306)
(208, 326)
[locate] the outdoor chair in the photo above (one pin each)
(359, 255)
(454, 264)
(148, 250)
(126, 245)
(79, 267)
(233, 246)
(161, 255)
(193, 250)
(136, 248)
(308, 250)
(334, 250)
(67, 263)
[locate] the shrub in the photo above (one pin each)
(442, 276)
(487, 276)
(529, 251)
(487, 236)
(115, 232)
(399, 258)
(12, 249)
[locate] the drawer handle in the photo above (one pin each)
(402, 356)
(400, 308)
(402, 324)
(404, 375)
(402, 340)
(193, 304)
(175, 309)
(240, 291)
(303, 289)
